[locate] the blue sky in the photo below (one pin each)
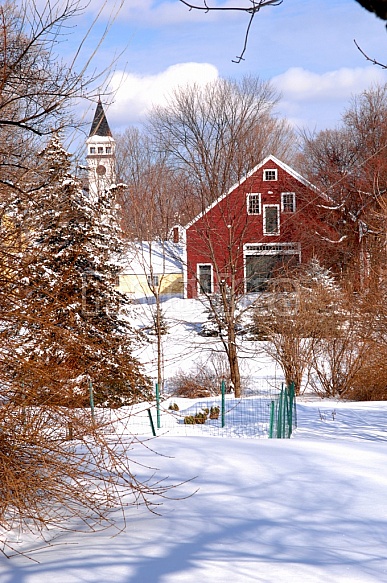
(305, 48)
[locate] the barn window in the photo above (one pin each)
(254, 203)
(264, 261)
(100, 150)
(92, 150)
(270, 174)
(108, 150)
(271, 219)
(205, 278)
(288, 202)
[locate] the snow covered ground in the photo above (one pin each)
(311, 509)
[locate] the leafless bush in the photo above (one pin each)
(49, 481)
(350, 363)
(370, 383)
(336, 362)
(204, 380)
(299, 313)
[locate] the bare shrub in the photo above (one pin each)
(204, 380)
(370, 383)
(336, 362)
(350, 362)
(49, 481)
(295, 314)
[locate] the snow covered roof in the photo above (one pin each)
(161, 256)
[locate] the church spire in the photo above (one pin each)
(100, 126)
(100, 154)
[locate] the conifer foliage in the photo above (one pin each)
(75, 328)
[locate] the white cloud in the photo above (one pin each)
(317, 101)
(136, 94)
(301, 85)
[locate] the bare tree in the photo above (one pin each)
(214, 136)
(156, 193)
(153, 201)
(349, 165)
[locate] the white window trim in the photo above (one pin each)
(248, 203)
(269, 234)
(270, 170)
(198, 265)
(283, 205)
(288, 248)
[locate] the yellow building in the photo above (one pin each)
(152, 268)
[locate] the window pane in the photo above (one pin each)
(205, 279)
(270, 174)
(254, 206)
(288, 202)
(260, 268)
(271, 219)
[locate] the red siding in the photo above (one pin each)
(218, 236)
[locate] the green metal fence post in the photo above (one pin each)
(151, 423)
(280, 414)
(91, 396)
(290, 408)
(272, 414)
(223, 389)
(158, 406)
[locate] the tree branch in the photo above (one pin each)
(373, 61)
(253, 8)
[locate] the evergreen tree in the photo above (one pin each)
(317, 276)
(75, 324)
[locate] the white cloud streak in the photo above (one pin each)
(136, 94)
(318, 100)
(298, 84)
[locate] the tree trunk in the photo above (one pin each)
(234, 364)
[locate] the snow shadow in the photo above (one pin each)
(265, 511)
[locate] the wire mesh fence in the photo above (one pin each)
(268, 412)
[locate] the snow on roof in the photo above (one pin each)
(160, 256)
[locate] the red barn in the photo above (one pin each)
(260, 226)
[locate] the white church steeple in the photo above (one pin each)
(100, 154)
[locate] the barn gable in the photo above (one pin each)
(248, 233)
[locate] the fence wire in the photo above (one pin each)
(263, 413)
